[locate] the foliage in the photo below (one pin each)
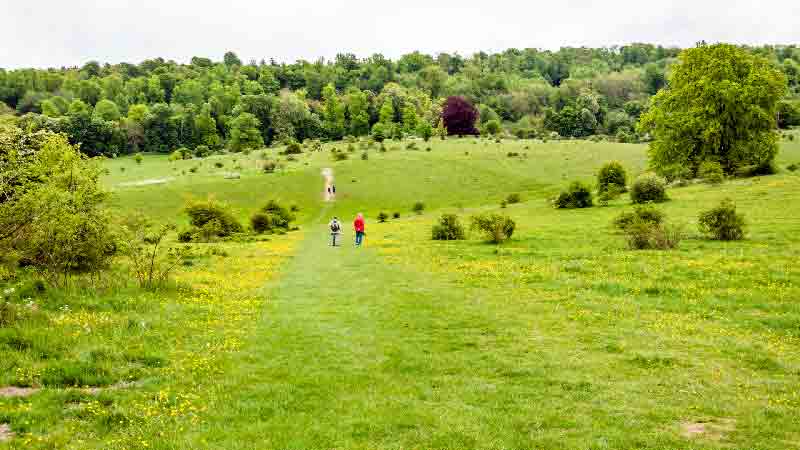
(449, 228)
(720, 104)
(245, 133)
(644, 235)
(495, 227)
(649, 187)
(143, 243)
(492, 127)
(293, 148)
(640, 214)
(418, 207)
(513, 198)
(722, 222)
(382, 217)
(577, 195)
(459, 116)
(711, 172)
(272, 217)
(214, 217)
(612, 174)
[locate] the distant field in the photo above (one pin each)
(559, 338)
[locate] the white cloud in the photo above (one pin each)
(44, 33)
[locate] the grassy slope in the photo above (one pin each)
(563, 339)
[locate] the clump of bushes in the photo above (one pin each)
(644, 213)
(449, 228)
(272, 218)
(722, 222)
(210, 219)
(365, 156)
(612, 176)
(418, 207)
(201, 151)
(293, 148)
(382, 217)
(611, 193)
(645, 228)
(649, 188)
(495, 227)
(513, 199)
(269, 167)
(711, 172)
(577, 195)
(339, 156)
(792, 167)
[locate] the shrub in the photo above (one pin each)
(351, 148)
(418, 207)
(261, 223)
(365, 156)
(186, 235)
(611, 193)
(492, 127)
(513, 198)
(792, 167)
(411, 146)
(219, 164)
(293, 148)
(269, 167)
(382, 217)
(612, 174)
(202, 214)
(577, 195)
(138, 158)
(339, 156)
(193, 169)
(294, 208)
(496, 228)
(649, 188)
(677, 173)
(642, 235)
(449, 228)
(396, 215)
(711, 172)
(201, 151)
(722, 222)
(645, 213)
(272, 217)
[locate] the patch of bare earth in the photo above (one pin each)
(5, 432)
(13, 391)
(713, 429)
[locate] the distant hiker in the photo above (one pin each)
(336, 230)
(329, 190)
(358, 225)
(334, 189)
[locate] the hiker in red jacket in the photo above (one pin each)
(358, 225)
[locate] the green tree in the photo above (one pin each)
(386, 114)
(721, 105)
(333, 120)
(358, 111)
(106, 110)
(245, 133)
(410, 119)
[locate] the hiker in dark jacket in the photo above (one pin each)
(336, 230)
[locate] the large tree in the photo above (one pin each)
(459, 116)
(720, 105)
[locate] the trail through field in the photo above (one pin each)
(327, 174)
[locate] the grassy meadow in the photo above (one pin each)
(560, 338)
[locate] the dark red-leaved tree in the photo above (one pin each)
(459, 116)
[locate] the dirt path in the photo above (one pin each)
(327, 173)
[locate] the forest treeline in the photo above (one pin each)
(160, 106)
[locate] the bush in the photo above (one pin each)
(193, 169)
(382, 217)
(351, 148)
(396, 215)
(219, 164)
(513, 198)
(612, 174)
(677, 173)
(201, 214)
(339, 156)
(723, 222)
(418, 207)
(711, 172)
(449, 228)
(611, 193)
(792, 167)
(411, 146)
(495, 227)
(272, 217)
(365, 156)
(577, 195)
(649, 188)
(293, 148)
(642, 235)
(201, 151)
(269, 167)
(138, 158)
(645, 213)
(187, 235)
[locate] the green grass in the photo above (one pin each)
(559, 338)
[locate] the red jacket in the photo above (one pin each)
(358, 224)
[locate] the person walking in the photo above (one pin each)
(336, 231)
(358, 226)
(333, 187)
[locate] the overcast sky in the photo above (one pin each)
(45, 33)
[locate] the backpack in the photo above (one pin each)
(335, 227)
